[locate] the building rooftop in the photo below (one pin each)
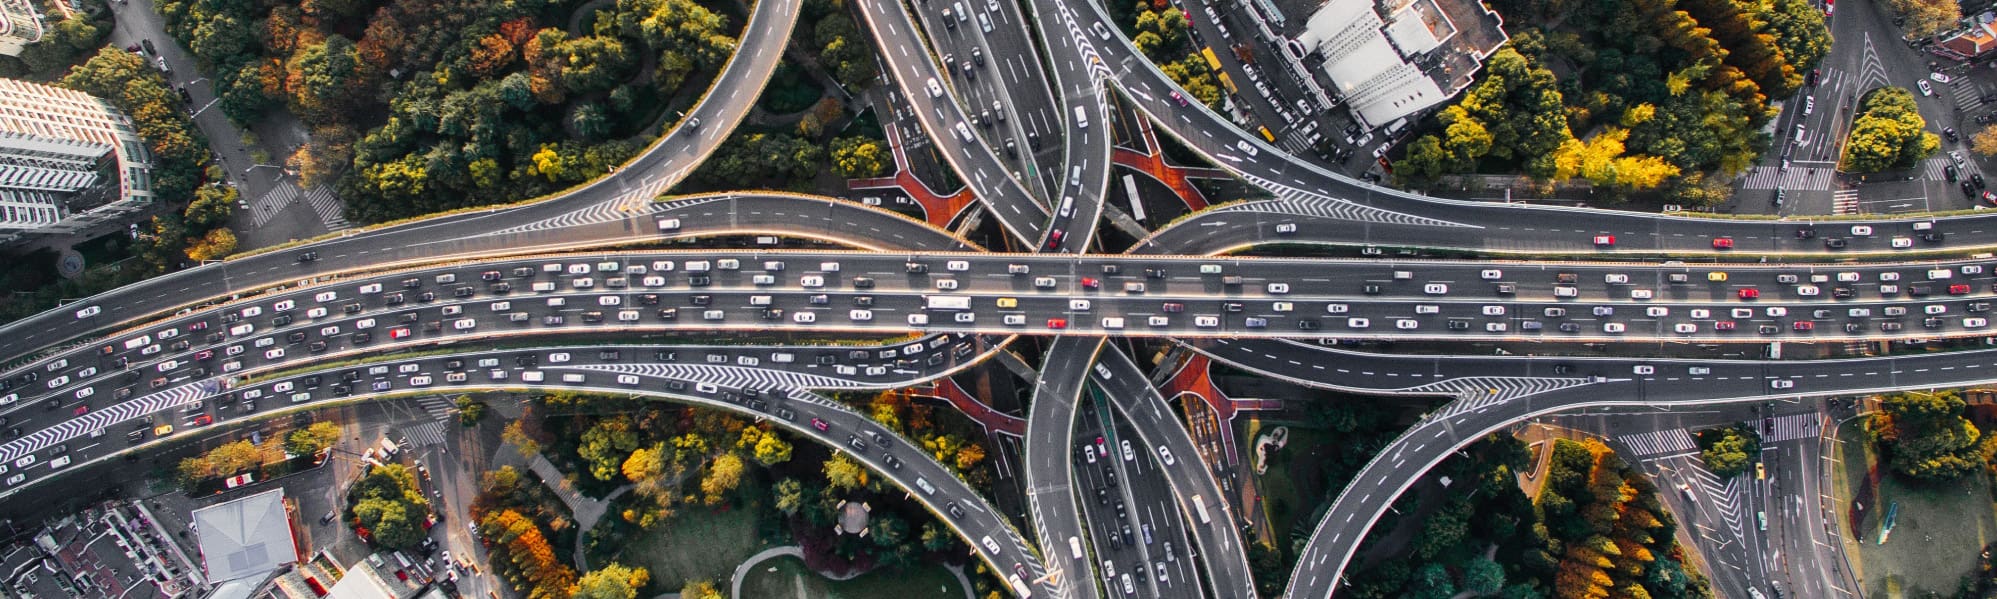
(245, 537)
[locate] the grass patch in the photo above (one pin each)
(1937, 535)
(787, 578)
(1289, 489)
(696, 544)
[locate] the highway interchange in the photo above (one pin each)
(244, 339)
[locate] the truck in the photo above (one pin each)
(946, 302)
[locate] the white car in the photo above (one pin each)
(86, 392)
(804, 317)
(622, 379)
(811, 281)
(1435, 289)
(1807, 290)
(284, 306)
(935, 89)
(88, 312)
(1494, 310)
(1889, 276)
(1861, 230)
(1282, 306)
(1699, 370)
(1640, 294)
(1357, 323)
(326, 296)
(464, 324)
(558, 357)
(1903, 242)
(1158, 321)
(1165, 455)
(1206, 322)
(918, 319)
(1129, 455)
(1645, 369)
(1613, 327)
(1938, 77)
(1685, 328)
(1656, 311)
(1492, 275)
(860, 315)
(274, 354)
(1974, 323)
(1407, 324)
(1781, 384)
(371, 288)
(653, 281)
(957, 265)
(1286, 228)
(1279, 288)
(1617, 278)
(1013, 320)
(1701, 313)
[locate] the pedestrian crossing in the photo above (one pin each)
(328, 208)
(1659, 442)
(1936, 168)
(331, 212)
(426, 434)
(1844, 201)
(1791, 427)
(437, 406)
(1967, 93)
(1795, 177)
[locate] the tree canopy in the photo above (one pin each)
(1728, 450)
(1925, 436)
(1888, 132)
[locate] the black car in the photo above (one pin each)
(1834, 243)
(302, 257)
(362, 337)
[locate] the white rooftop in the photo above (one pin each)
(245, 537)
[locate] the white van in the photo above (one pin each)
(923, 483)
(533, 376)
(1081, 117)
(1113, 323)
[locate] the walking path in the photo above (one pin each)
(742, 571)
(1151, 162)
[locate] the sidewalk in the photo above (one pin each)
(1151, 162)
(937, 209)
(994, 421)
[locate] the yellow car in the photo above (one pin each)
(1716, 276)
(1008, 302)
(162, 430)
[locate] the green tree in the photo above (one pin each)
(1432, 581)
(215, 245)
(1888, 132)
(860, 157)
(1424, 163)
(1482, 576)
(700, 589)
(789, 495)
(724, 474)
(1926, 437)
(389, 505)
(470, 411)
(211, 207)
(842, 472)
(1728, 450)
(605, 446)
(312, 439)
(612, 581)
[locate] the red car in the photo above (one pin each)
(398, 333)
(1747, 293)
(205, 354)
(1175, 95)
(204, 420)
(1724, 325)
(1605, 241)
(1091, 283)
(1958, 289)
(1054, 239)
(1804, 325)
(82, 409)
(1723, 243)
(1057, 323)
(820, 424)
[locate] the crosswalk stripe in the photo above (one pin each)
(1656, 442)
(1791, 427)
(272, 202)
(1794, 177)
(429, 433)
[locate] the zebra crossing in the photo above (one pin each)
(1967, 93)
(1792, 427)
(98, 419)
(437, 406)
(429, 433)
(267, 206)
(331, 212)
(1936, 169)
(1794, 177)
(1675, 440)
(1844, 201)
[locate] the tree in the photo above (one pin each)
(842, 472)
(700, 589)
(605, 446)
(516, 435)
(470, 411)
(1424, 162)
(1728, 450)
(1483, 576)
(724, 473)
(767, 446)
(313, 438)
(211, 207)
(1985, 141)
(860, 157)
(1928, 18)
(1888, 132)
(389, 523)
(217, 244)
(1925, 436)
(612, 581)
(789, 495)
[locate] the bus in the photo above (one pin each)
(946, 302)
(1136, 205)
(1227, 83)
(1019, 586)
(1213, 62)
(1201, 507)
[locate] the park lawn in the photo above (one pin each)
(1937, 536)
(791, 580)
(697, 544)
(1284, 498)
